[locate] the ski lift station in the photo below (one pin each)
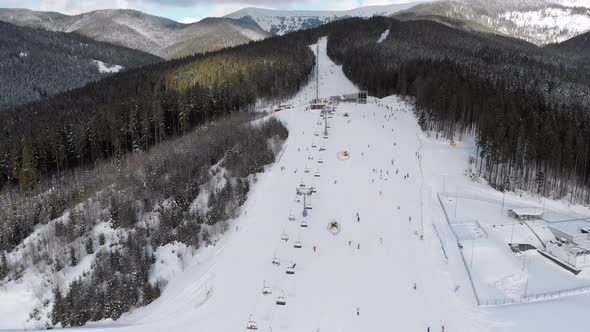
(526, 213)
(572, 246)
(359, 97)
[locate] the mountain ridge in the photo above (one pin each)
(134, 29)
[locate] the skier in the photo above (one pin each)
(349, 242)
(358, 313)
(410, 218)
(415, 286)
(358, 246)
(358, 218)
(314, 248)
(443, 328)
(428, 329)
(381, 239)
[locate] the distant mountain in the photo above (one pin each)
(284, 21)
(36, 63)
(156, 35)
(537, 21)
(577, 48)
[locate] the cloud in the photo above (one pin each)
(192, 10)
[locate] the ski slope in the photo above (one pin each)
(371, 265)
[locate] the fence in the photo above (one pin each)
(537, 297)
(460, 251)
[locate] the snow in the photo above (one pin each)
(369, 265)
(383, 36)
(284, 21)
(170, 261)
(553, 24)
(104, 67)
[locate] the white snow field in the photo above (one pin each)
(370, 266)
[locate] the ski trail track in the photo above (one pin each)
(374, 273)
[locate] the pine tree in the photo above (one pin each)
(89, 246)
(73, 257)
(58, 314)
(422, 121)
(3, 266)
(27, 175)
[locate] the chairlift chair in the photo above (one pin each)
(297, 245)
(285, 237)
(304, 223)
(317, 174)
(290, 269)
(313, 145)
(322, 148)
(265, 289)
(316, 134)
(251, 325)
(291, 215)
(276, 261)
(281, 299)
(306, 170)
(321, 160)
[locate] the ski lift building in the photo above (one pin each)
(526, 213)
(359, 97)
(572, 244)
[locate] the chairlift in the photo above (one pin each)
(251, 325)
(276, 261)
(304, 223)
(265, 289)
(290, 269)
(285, 237)
(297, 245)
(281, 299)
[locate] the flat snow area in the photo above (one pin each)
(363, 278)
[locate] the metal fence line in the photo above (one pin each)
(460, 250)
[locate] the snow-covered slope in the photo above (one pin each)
(283, 21)
(361, 279)
(537, 21)
(134, 29)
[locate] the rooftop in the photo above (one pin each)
(572, 227)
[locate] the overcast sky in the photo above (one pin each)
(194, 10)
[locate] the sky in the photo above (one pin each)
(188, 11)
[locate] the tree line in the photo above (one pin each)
(140, 108)
(120, 212)
(526, 106)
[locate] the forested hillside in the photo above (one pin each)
(139, 108)
(527, 106)
(102, 229)
(68, 175)
(35, 63)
